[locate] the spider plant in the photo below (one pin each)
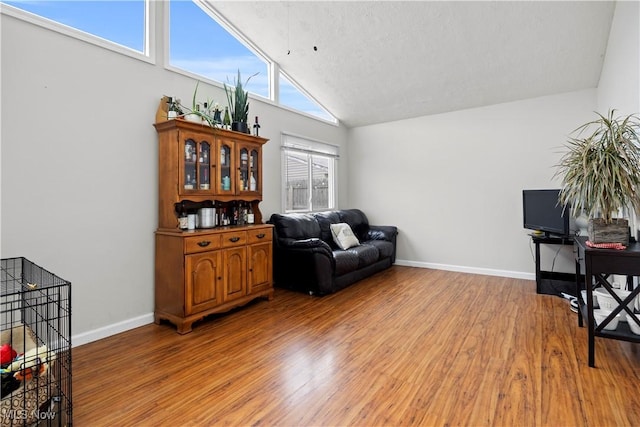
(194, 110)
(601, 170)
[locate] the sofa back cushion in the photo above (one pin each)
(357, 220)
(295, 226)
(325, 219)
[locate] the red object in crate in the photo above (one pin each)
(7, 354)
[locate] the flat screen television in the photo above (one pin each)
(543, 212)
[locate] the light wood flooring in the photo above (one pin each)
(408, 346)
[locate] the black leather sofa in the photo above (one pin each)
(307, 259)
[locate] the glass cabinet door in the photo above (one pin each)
(189, 161)
(243, 176)
(226, 178)
(204, 165)
(249, 172)
(254, 172)
(196, 164)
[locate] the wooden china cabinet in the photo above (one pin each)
(209, 270)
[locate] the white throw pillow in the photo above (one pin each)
(343, 236)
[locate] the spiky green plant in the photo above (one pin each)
(601, 172)
(238, 99)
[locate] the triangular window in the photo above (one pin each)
(200, 45)
(294, 98)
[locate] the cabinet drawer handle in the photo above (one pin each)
(234, 239)
(260, 236)
(204, 243)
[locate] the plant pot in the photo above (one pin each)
(616, 231)
(193, 118)
(240, 127)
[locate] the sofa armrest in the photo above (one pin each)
(382, 232)
(307, 246)
(312, 243)
(306, 264)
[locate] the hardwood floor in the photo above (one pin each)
(408, 346)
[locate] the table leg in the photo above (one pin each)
(588, 284)
(578, 293)
(538, 278)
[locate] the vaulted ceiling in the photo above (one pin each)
(379, 61)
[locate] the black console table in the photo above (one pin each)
(598, 265)
(542, 274)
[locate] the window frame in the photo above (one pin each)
(149, 31)
(310, 147)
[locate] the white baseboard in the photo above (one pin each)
(107, 331)
(464, 269)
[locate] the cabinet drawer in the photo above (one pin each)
(260, 235)
(234, 238)
(204, 243)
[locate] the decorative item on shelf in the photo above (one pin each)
(226, 124)
(256, 127)
(238, 100)
(601, 175)
(168, 109)
(250, 215)
(217, 115)
(173, 111)
(582, 223)
(163, 109)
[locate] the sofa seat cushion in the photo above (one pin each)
(367, 254)
(384, 247)
(346, 261)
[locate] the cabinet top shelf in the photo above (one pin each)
(198, 127)
(214, 230)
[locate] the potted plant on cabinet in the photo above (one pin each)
(601, 175)
(238, 100)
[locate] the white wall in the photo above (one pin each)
(619, 86)
(453, 182)
(79, 167)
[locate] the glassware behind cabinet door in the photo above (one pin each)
(189, 165)
(204, 166)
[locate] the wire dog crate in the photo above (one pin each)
(35, 332)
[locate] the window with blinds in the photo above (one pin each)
(309, 174)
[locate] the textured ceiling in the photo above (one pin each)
(379, 61)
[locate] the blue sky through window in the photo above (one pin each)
(291, 97)
(199, 45)
(121, 22)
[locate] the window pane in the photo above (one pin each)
(320, 171)
(296, 181)
(293, 98)
(121, 22)
(198, 44)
